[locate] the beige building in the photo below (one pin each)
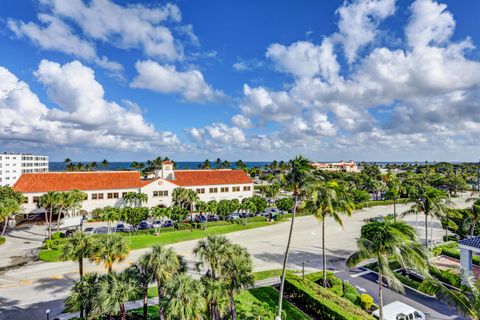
(107, 188)
(340, 166)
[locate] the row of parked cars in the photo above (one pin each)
(269, 213)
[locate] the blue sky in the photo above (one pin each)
(377, 80)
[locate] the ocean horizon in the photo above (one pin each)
(125, 165)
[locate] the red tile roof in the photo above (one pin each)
(210, 177)
(64, 181)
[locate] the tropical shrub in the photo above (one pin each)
(366, 301)
(285, 204)
(58, 235)
(321, 302)
(2, 240)
(350, 293)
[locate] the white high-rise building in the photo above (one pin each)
(12, 165)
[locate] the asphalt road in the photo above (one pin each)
(26, 292)
(368, 283)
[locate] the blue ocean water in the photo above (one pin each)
(60, 166)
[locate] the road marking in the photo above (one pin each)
(360, 274)
(313, 233)
(361, 289)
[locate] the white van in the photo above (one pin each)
(399, 311)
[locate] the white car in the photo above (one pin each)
(399, 311)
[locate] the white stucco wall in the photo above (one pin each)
(157, 185)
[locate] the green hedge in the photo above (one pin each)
(374, 203)
(334, 284)
(446, 276)
(321, 302)
(455, 253)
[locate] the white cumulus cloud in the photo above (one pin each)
(189, 84)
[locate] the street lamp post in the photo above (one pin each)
(47, 312)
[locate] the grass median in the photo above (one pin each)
(142, 240)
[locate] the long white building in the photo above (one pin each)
(13, 165)
(107, 188)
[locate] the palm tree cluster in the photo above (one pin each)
(60, 203)
(80, 166)
(150, 166)
(91, 294)
(228, 269)
(10, 202)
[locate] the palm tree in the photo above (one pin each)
(109, 249)
(114, 289)
(143, 274)
(218, 163)
(237, 274)
(109, 214)
(473, 217)
(212, 254)
(328, 199)
(466, 301)
(163, 263)
(48, 202)
(104, 164)
(298, 178)
(431, 202)
(184, 298)
(77, 247)
(387, 241)
(61, 201)
(216, 297)
(135, 198)
(8, 207)
(83, 295)
(206, 165)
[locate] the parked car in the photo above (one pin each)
(200, 218)
(89, 230)
(233, 216)
(121, 228)
(399, 311)
(69, 232)
(212, 217)
(143, 225)
(168, 223)
(157, 224)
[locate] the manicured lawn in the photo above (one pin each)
(261, 275)
(145, 241)
(246, 299)
(268, 295)
(142, 240)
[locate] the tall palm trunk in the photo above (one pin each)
(380, 292)
(472, 230)
(431, 229)
(58, 218)
(5, 223)
(80, 271)
(324, 257)
(50, 223)
(145, 302)
(232, 307)
(123, 312)
(160, 296)
(285, 260)
(426, 230)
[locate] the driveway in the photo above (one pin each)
(366, 282)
